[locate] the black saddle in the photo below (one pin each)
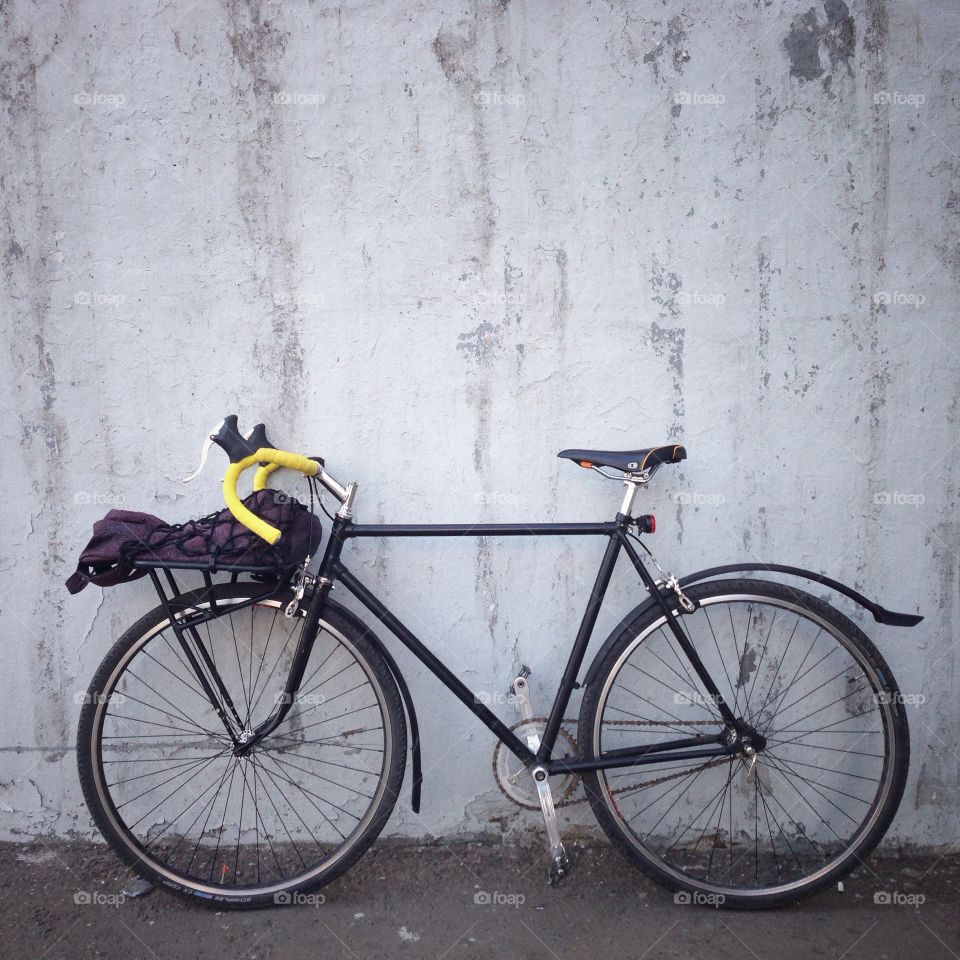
(629, 461)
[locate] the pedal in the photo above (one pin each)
(559, 869)
(520, 688)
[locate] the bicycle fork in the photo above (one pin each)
(559, 861)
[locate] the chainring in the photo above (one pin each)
(514, 779)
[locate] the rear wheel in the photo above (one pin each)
(169, 794)
(825, 783)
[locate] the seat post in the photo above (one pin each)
(633, 484)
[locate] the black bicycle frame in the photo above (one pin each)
(332, 570)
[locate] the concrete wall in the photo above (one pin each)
(436, 243)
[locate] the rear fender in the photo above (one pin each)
(880, 614)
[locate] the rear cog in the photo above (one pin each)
(514, 779)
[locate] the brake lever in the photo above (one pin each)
(204, 450)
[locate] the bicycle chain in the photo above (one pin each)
(643, 784)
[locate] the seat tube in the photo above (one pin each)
(575, 660)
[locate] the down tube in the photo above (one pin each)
(453, 683)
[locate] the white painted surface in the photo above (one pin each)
(436, 244)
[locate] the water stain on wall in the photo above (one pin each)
(808, 34)
(29, 269)
(265, 198)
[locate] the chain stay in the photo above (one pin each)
(643, 784)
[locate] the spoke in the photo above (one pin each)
(153, 723)
(736, 647)
(266, 682)
(767, 813)
(839, 699)
(723, 662)
(223, 821)
(187, 669)
(183, 762)
(802, 796)
(793, 679)
(213, 803)
(339, 716)
(844, 773)
(683, 832)
(776, 675)
(236, 647)
(273, 780)
(198, 763)
(151, 706)
(175, 676)
(723, 800)
(196, 773)
(796, 675)
(686, 783)
(246, 722)
(693, 683)
(256, 774)
(684, 725)
(309, 794)
(756, 671)
(815, 784)
(342, 786)
(813, 746)
(333, 676)
(165, 830)
(336, 646)
(815, 690)
(702, 706)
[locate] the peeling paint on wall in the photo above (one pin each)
(436, 245)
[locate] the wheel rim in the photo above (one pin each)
(292, 808)
(696, 823)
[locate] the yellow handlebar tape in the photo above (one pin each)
(263, 473)
(275, 459)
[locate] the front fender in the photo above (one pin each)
(880, 614)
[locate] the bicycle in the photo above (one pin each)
(738, 739)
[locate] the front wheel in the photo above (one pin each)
(189, 812)
(741, 831)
